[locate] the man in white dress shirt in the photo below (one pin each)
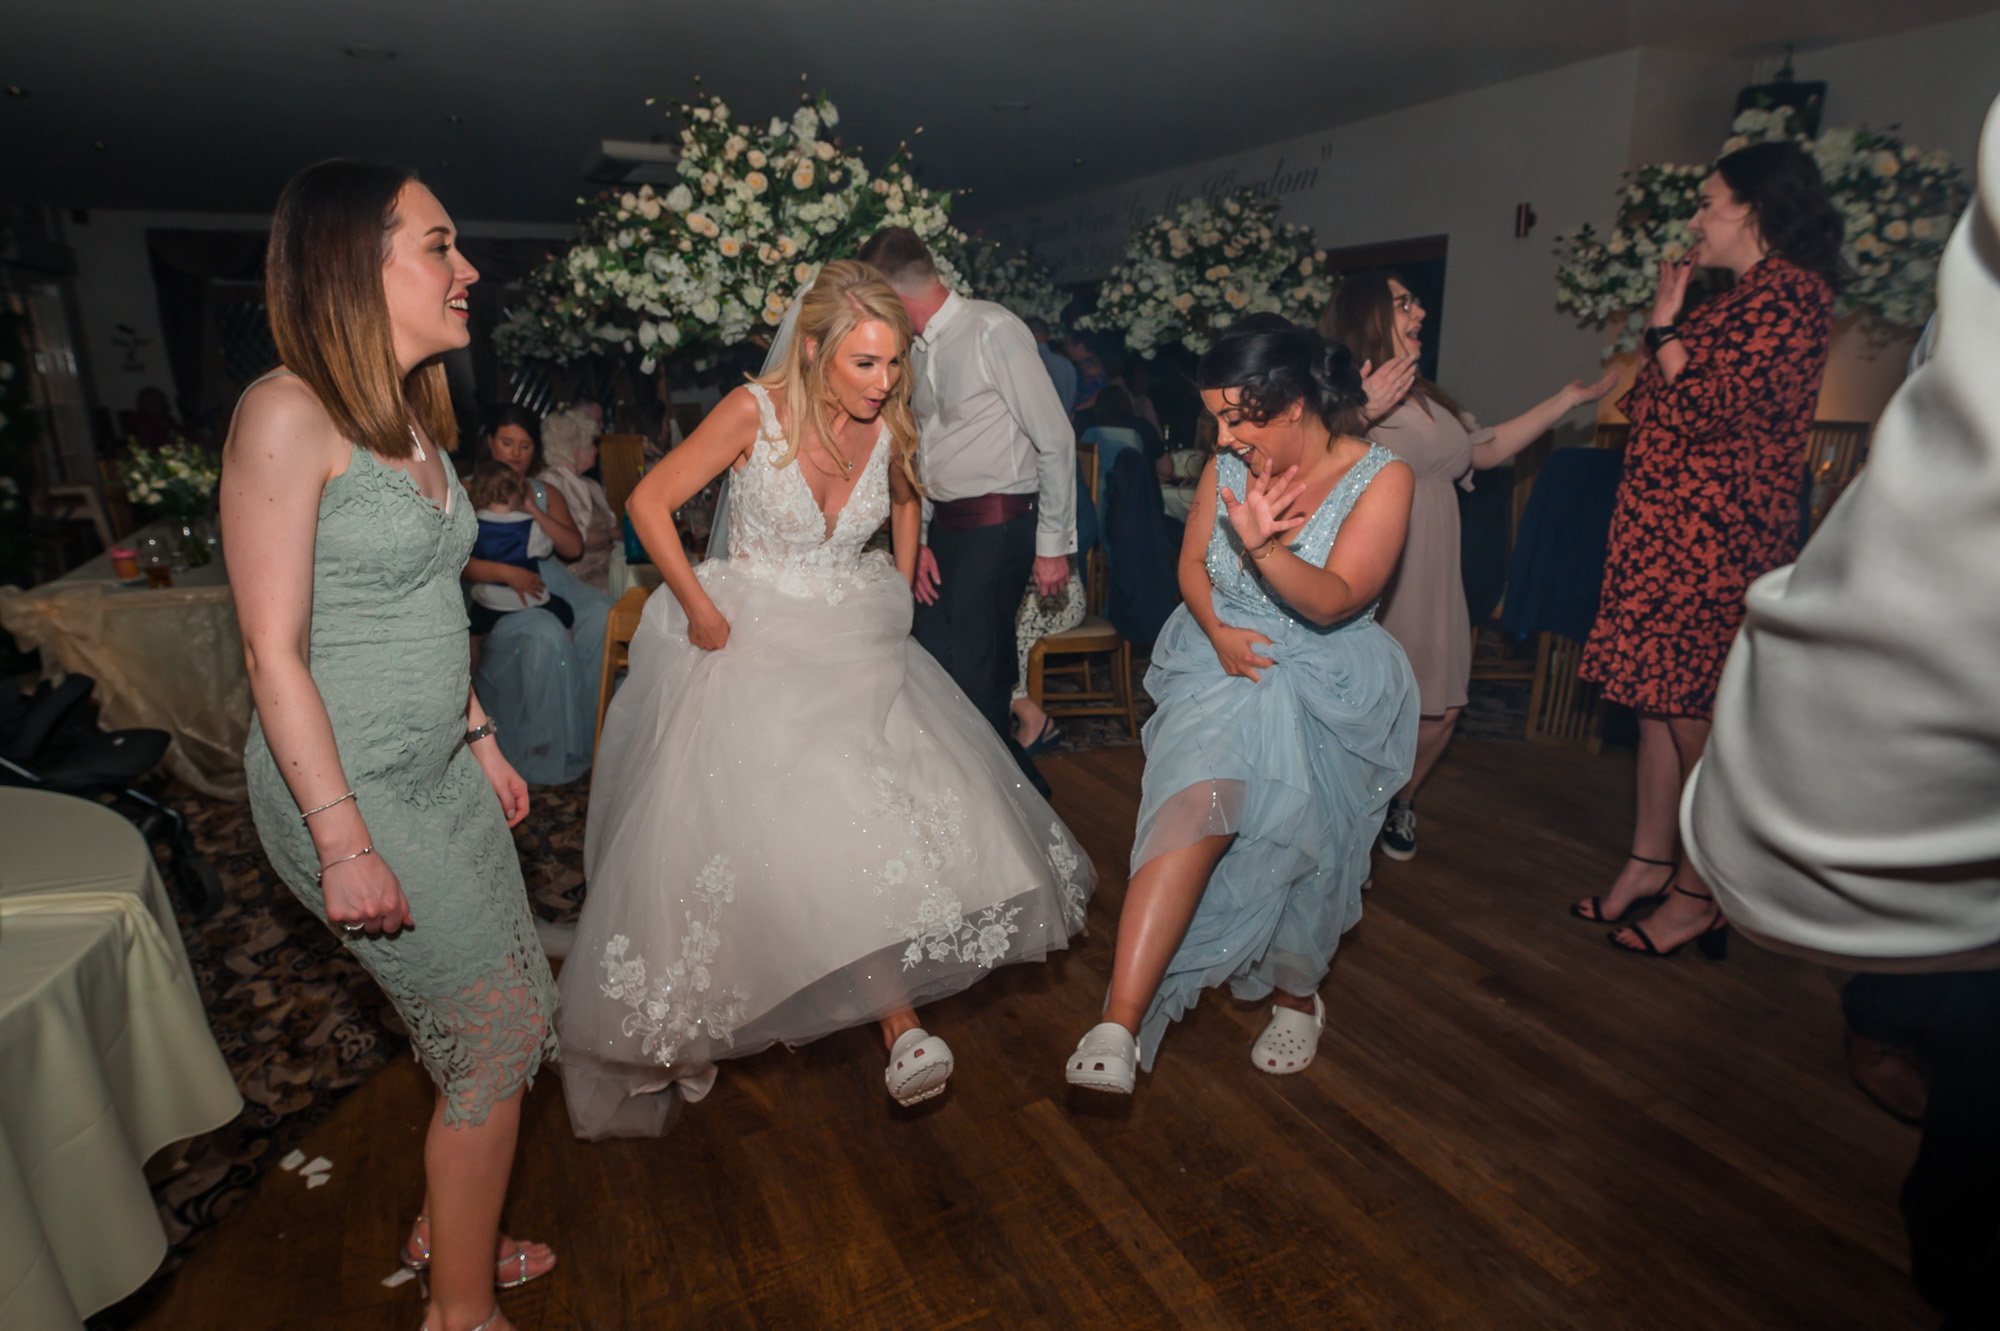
(998, 464)
(1848, 805)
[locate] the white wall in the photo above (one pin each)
(1935, 82)
(1558, 141)
(1455, 167)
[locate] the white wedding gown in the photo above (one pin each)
(799, 833)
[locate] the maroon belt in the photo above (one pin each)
(980, 511)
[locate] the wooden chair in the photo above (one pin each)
(620, 458)
(1563, 709)
(1077, 651)
(1835, 452)
(619, 626)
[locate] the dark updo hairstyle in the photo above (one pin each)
(1272, 362)
(1781, 184)
(512, 413)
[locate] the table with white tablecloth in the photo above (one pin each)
(165, 658)
(105, 1058)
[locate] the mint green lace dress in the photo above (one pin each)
(390, 657)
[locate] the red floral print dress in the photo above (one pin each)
(1710, 497)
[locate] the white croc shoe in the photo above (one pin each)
(919, 1066)
(1290, 1042)
(1106, 1059)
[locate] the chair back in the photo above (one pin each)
(1835, 451)
(621, 458)
(619, 626)
(1610, 434)
(1096, 577)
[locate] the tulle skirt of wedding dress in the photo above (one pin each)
(799, 833)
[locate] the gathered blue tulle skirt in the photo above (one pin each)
(1299, 767)
(538, 681)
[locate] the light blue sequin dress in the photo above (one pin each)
(1299, 765)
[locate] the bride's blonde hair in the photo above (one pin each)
(844, 296)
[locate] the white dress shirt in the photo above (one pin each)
(1849, 803)
(989, 417)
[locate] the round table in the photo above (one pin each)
(105, 1058)
(165, 658)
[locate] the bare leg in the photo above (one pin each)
(541, 1257)
(896, 1023)
(1029, 718)
(1433, 734)
(1656, 829)
(1689, 912)
(467, 1168)
(1159, 903)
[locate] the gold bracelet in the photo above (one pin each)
(1265, 550)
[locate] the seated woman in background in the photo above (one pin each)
(569, 451)
(537, 678)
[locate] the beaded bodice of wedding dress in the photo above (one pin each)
(777, 528)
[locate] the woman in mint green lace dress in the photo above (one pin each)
(375, 783)
(1287, 716)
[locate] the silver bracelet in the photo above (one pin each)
(487, 727)
(368, 849)
(328, 805)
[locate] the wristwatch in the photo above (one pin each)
(485, 728)
(1660, 336)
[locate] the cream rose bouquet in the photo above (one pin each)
(1898, 202)
(178, 480)
(715, 258)
(1190, 274)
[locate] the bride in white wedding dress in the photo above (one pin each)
(798, 823)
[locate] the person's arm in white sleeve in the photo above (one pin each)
(1030, 395)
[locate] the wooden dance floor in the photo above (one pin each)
(1509, 1125)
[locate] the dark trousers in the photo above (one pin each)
(1951, 1199)
(983, 573)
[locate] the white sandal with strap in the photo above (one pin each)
(1106, 1059)
(919, 1065)
(1291, 1040)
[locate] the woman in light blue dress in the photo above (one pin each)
(1287, 716)
(538, 679)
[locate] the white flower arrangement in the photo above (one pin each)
(1899, 204)
(717, 257)
(1009, 277)
(179, 479)
(1192, 273)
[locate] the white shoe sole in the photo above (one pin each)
(1395, 854)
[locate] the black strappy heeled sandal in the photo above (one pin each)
(1596, 914)
(1712, 942)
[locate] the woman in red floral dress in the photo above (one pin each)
(1710, 498)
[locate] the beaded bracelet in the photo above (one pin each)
(328, 805)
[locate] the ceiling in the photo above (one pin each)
(208, 105)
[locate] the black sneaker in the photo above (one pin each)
(1399, 830)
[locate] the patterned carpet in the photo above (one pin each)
(300, 1023)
